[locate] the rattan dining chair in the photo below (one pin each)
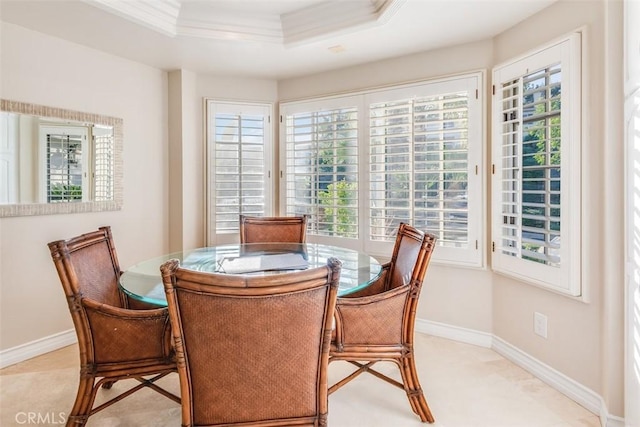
(377, 323)
(282, 229)
(252, 350)
(115, 341)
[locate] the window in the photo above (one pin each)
(363, 163)
(425, 154)
(77, 163)
(321, 163)
(239, 166)
(536, 156)
(66, 154)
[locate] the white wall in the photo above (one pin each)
(40, 69)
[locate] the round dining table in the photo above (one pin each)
(143, 282)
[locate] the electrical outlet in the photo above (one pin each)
(540, 324)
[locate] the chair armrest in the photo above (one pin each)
(125, 313)
(120, 334)
(370, 320)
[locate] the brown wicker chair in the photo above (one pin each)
(115, 341)
(289, 229)
(252, 350)
(377, 323)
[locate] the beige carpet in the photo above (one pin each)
(465, 385)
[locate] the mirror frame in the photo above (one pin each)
(27, 209)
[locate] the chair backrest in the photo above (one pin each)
(88, 267)
(252, 348)
(290, 229)
(411, 256)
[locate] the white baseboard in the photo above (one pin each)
(35, 348)
(565, 385)
(455, 333)
(572, 389)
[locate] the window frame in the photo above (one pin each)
(565, 279)
(213, 107)
(474, 255)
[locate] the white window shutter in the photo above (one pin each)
(536, 155)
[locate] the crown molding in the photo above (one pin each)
(158, 15)
(314, 22)
(304, 25)
(233, 28)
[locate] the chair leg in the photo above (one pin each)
(88, 389)
(84, 401)
(413, 389)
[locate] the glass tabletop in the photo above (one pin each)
(143, 282)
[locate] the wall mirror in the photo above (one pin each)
(55, 161)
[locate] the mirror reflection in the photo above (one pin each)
(55, 157)
(54, 161)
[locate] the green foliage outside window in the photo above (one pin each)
(65, 193)
(541, 165)
(337, 211)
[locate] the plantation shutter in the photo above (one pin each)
(321, 169)
(510, 189)
(531, 166)
(361, 163)
(239, 169)
(419, 167)
(537, 182)
(239, 165)
(104, 163)
(65, 164)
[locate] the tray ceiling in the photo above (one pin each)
(271, 39)
(283, 22)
